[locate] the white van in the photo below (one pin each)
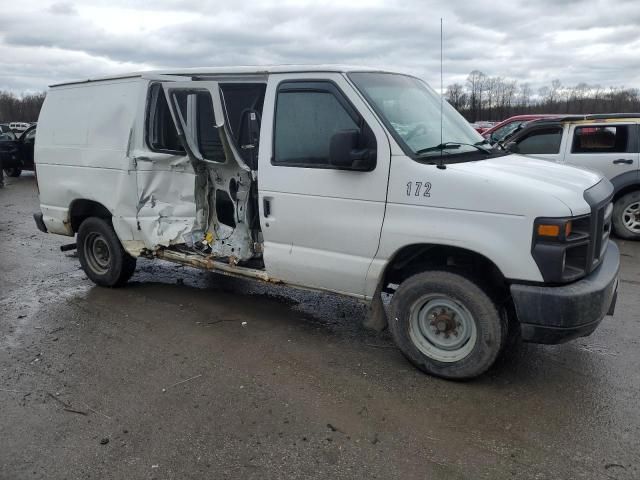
(349, 180)
(19, 126)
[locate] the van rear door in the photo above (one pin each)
(321, 220)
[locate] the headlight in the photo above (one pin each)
(555, 230)
(560, 247)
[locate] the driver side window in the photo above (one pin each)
(307, 116)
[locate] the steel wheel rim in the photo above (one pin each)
(442, 328)
(631, 217)
(97, 253)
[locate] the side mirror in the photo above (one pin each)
(344, 152)
(512, 147)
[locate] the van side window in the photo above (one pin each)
(307, 115)
(541, 141)
(601, 139)
(162, 135)
(209, 142)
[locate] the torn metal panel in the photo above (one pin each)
(166, 209)
(206, 198)
(230, 214)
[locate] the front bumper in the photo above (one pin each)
(560, 314)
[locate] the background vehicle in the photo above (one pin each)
(17, 153)
(19, 126)
(500, 131)
(608, 143)
(481, 127)
(285, 174)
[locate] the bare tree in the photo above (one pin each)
(475, 85)
(20, 109)
(483, 98)
(457, 96)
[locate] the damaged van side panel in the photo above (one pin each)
(83, 152)
(195, 192)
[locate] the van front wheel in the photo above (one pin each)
(446, 325)
(101, 254)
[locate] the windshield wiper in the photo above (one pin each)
(452, 146)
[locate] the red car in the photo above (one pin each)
(482, 127)
(500, 131)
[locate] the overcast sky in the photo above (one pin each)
(535, 41)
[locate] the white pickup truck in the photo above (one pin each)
(350, 180)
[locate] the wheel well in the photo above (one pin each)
(623, 191)
(79, 210)
(414, 259)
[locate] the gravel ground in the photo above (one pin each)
(162, 379)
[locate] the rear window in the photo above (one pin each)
(601, 139)
(162, 135)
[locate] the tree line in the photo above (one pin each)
(483, 97)
(20, 109)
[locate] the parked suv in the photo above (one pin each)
(349, 180)
(608, 143)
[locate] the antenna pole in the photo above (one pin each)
(441, 166)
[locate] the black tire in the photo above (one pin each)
(101, 254)
(13, 172)
(619, 208)
(483, 317)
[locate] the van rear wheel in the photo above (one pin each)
(446, 325)
(101, 254)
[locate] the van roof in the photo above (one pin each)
(238, 70)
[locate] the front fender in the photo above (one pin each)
(503, 239)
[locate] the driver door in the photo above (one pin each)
(321, 224)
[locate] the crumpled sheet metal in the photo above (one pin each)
(166, 207)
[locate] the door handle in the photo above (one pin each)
(623, 160)
(266, 207)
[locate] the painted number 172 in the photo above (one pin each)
(419, 189)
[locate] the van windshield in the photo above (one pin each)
(411, 110)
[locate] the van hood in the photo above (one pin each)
(564, 182)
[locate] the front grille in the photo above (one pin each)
(577, 250)
(599, 198)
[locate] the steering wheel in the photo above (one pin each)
(419, 128)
